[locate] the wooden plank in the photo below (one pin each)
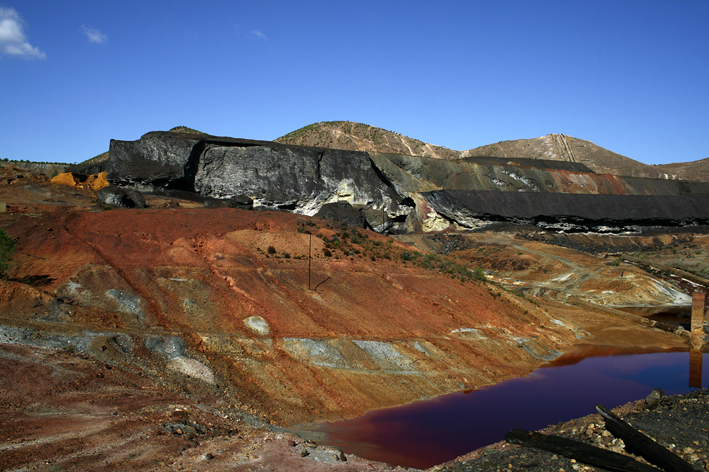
(641, 445)
(578, 450)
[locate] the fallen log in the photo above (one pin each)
(641, 445)
(578, 450)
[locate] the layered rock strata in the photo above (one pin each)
(399, 193)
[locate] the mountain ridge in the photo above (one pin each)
(353, 136)
(361, 137)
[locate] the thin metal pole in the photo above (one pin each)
(310, 252)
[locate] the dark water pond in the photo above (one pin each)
(677, 315)
(430, 432)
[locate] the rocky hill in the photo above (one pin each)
(360, 137)
(696, 170)
(566, 148)
(396, 193)
(352, 136)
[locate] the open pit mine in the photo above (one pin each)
(194, 301)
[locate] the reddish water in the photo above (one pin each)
(430, 432)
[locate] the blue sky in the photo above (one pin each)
(631, 76)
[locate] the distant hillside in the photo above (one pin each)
(360, 137)
(566, 148)
(353, 136)
(696, 170)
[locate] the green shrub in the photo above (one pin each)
(7, 248)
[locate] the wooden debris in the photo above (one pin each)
(641, 445)
(578, 450)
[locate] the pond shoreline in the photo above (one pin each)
(678, 423)
(430, 432)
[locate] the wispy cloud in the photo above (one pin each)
(93, 35)
(12, 40)
(260, 34)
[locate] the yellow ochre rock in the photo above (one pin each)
(65, 178)
(93, 181)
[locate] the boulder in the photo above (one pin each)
(342, 212)
(239, 201)
(378, 220)
(121, 197)
(157, 159)
(293, 178)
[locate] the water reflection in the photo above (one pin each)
(695, 368)
(430, 432)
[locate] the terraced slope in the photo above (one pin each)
(566, 148)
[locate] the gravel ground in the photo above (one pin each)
(680, 423)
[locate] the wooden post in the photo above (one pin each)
(697, 326)
(698, 301)
(695, 368)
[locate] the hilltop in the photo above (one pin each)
(602, 161)
(360, 137)
(352, 136)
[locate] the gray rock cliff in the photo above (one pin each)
(397, 193)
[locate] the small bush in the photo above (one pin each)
(271, 250)
(7, 249)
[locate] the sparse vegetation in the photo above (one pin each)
(359, 136)
(185, 129)
(7, 250)
(351, 242)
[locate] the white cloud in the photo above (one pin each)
(94, 35)
(12, 40)
(260, 34)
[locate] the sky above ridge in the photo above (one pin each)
(631, 76)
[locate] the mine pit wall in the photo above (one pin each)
(578, 212)
(302, 179)
(419, 174)
(172, 301)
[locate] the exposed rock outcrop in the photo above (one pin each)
(344, 213)
(401, 193)
(120, 197)
(570, 212)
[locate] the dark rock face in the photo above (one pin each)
(342, 212)
(158, 159)
(252, 173)
(121, 197)
(398, 194)
(570, 212)
(292, 178)
(239, 201)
